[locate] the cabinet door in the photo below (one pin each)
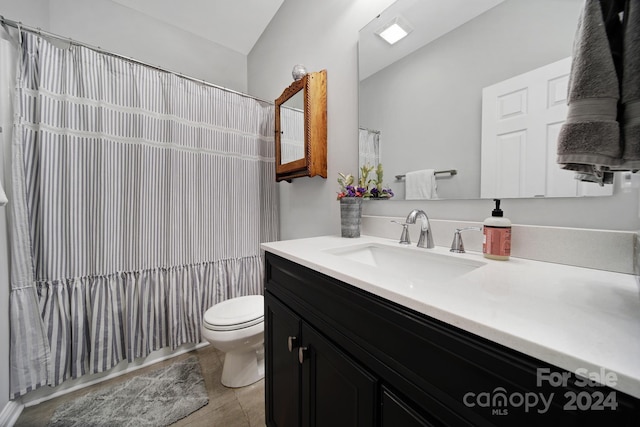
(282, 376)
(395, 412)
(336, 390)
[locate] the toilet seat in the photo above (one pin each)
(235, 313)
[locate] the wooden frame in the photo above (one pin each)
(314, 162)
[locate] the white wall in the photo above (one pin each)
(324, 35)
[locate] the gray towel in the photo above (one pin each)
(590, 138)
(631, 87)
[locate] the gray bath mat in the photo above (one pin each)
(157, 398)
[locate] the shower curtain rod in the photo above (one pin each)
(40, 32)
(370, 130)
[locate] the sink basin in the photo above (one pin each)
(417, 265)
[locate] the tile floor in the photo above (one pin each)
(241, 407)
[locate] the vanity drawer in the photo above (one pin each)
(444, 370)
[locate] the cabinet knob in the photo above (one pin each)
(292, 343)
(301, 351)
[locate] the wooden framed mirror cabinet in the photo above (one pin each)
(301, 128)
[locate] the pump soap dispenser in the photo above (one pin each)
(496, 243)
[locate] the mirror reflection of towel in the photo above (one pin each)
(420, 185)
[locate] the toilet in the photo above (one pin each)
(236, 327)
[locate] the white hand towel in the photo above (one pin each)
(3, 196)
(420, 185)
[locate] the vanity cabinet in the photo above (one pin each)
(312, 382)
(395, 412)
(367, 361)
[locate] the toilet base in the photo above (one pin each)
(241, 369)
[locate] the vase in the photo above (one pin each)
(350, 214)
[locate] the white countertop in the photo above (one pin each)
(571, 317)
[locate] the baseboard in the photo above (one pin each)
(10, 413)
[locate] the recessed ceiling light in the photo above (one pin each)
(395, 30)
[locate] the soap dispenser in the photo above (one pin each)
(496, 243)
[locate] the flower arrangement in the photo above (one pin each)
(366, 187)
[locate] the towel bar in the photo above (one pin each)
(451, 172)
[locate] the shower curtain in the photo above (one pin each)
(139, 200)
(368, 147)
(292, 138)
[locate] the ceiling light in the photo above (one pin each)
(395, 30)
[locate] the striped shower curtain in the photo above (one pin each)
(292, 138)
(140, 200)
(368, 147)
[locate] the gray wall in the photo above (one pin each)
(324, 35)
(320, 35)
(119, 29)
(122, 30)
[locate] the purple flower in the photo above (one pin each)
(348, 189)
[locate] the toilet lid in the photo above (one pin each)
(235, 313)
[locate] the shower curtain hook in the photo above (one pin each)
(4, 23)
(19, 27)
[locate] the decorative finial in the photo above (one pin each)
(299, 71)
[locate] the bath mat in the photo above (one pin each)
(157, 398)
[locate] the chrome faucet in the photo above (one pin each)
(425, 229)
(404, 237)
(457, 246)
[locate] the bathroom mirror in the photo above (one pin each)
(292, 129)
(422, 96)
(301, 128)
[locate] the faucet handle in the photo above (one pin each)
(457, 245)
(404, 237)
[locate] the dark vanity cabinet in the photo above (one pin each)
(339, 356)
(311, 381)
